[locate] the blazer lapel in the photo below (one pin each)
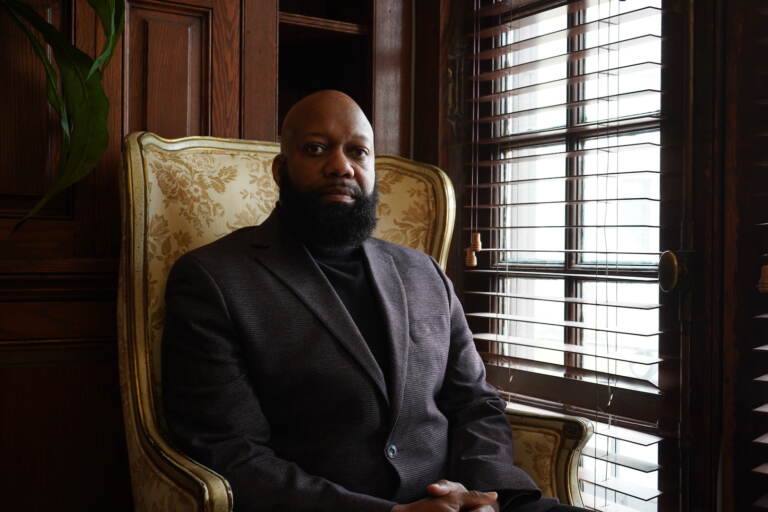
(391, 294)
(290, 262)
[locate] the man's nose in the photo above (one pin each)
(338, 164)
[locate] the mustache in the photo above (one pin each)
(351, 189)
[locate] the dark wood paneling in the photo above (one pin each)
(61, 438)
(41, 320)
(745, 190)
(168, 68)
(28, 126)
(259, 60)
(392, 72)
(438, 106)
(225, 68)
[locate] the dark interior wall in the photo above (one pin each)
(745, 245)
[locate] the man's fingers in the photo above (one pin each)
(458, 494)
(478, 499)
(443, 487)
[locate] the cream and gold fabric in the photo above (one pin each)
(180, 194)
(548, 446)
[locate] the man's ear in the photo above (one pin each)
(277, 167)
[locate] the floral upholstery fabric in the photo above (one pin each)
(535, 452)
(193, 197)
(407, 204)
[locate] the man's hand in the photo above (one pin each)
(450, 496)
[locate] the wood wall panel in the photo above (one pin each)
(168, 68)
(44, 320)
(259, 59)
(28, 126)
(65, 457)
(225, 67)
(392, 71)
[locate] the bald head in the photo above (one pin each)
(332, 109)
(326, 171)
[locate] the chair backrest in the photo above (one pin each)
(177, 195)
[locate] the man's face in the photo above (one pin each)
(326, 172)
(330, 156)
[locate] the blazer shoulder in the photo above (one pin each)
(400, 252)
(222, 249)
(406, 258)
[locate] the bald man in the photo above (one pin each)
(319, 369)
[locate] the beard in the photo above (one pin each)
(327, 225)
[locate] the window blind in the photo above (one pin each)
(562, 223)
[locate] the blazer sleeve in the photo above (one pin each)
(214, 415)
(480, 439)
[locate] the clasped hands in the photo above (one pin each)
(447, 496)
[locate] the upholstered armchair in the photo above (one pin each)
(177, 195)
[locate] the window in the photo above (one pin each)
(566, 197)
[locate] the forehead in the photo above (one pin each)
(336, 125)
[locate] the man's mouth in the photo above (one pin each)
(339, 194)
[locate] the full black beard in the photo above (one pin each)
(327, 225)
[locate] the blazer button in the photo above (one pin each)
(391, 451)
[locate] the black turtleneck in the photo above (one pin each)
(347, 270)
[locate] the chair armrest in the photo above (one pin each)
(548, 446)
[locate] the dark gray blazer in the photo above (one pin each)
(267, 380)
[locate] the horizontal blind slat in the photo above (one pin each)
(601, 505)
(614, 148)
(644, 406)
(527, 364)
(559, 323)
(577, 30)
(575, 226)
(577, 79)
(619, 485)
(572, 105)
(580, 177)
(605, 276)
(567, 201)
(620, 460)
(625, 434)
(565, 347)
(623, 45)
(568, 300)
(566, 251)
(506, 6)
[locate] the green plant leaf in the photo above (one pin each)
(84, 102)
(111, 13)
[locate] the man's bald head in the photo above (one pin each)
(322, 108)
(326, 171)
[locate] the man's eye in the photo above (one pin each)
(314, 149)
(359, 152)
